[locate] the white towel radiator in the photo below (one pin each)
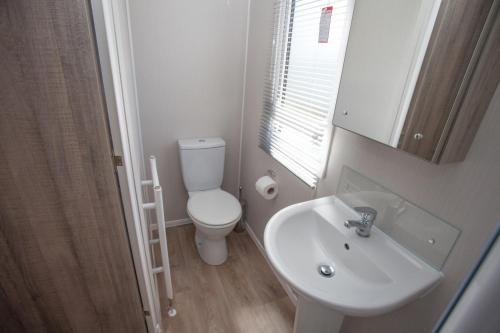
(157, 205)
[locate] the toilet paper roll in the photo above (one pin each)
(267, 187)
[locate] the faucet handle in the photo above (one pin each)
(364, 225)
(368, 214)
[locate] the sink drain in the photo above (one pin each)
(326, 271)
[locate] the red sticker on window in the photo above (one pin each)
(324, 24)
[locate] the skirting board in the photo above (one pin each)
(175, 223)
(288, 289)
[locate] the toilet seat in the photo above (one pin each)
(213, 208)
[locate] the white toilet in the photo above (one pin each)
(214, 212)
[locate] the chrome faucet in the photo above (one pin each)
(364, 225)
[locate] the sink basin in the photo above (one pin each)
(372, 275)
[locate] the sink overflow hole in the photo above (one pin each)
(326, 271)
(346, 246)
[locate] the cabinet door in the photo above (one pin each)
(461, 31)
(65, 261)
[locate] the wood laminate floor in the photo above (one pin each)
(242, 295)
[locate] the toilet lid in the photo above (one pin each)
(214, 208)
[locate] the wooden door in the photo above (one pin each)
(65, 260)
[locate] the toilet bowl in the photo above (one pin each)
(213, 211)
(214, 214)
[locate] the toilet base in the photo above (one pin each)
(212, 251)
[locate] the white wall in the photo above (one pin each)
(464, 194)
(189, 59)
(477, 308)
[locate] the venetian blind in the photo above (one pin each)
(309, 42)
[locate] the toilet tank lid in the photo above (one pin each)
(201, 143)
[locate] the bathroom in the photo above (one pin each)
(95, 235)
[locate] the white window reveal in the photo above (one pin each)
(309, 43)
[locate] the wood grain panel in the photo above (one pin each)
(65, 261)
(457, 30)
(481, 89)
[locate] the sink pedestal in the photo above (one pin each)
(312, 317)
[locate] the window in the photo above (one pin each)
(302, 83)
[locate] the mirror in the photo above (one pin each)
(385, 50)
(418, 75)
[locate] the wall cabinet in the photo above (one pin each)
(426, 83)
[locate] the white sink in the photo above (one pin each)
(373, 275)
